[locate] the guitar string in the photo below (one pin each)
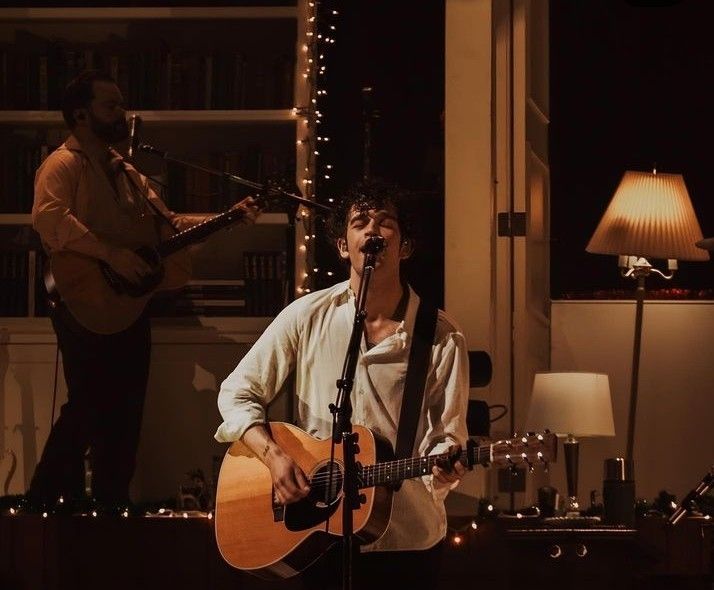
(397, 467)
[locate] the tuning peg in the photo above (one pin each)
(527, 461)
(544, 462)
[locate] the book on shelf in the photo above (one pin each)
(216, 297)
(152, 72)
(266, 284)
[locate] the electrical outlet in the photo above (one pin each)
(511, 480)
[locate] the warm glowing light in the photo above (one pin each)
(650, 215)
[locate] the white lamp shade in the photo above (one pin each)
(571, 403)
(650, 215)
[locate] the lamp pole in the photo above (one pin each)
(634, 379)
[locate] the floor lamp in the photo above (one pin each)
(650, 216)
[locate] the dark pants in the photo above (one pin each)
(377, 570)
(106, 380)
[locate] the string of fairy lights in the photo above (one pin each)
(317, 25)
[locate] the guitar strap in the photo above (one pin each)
(417, 369)
(143, 193)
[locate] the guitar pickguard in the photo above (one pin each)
(321, 503)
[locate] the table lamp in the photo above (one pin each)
(572, 405)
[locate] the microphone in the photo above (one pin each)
(373, 245)
(134, 127)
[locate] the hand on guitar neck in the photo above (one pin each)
(449, 470)
(250, 207)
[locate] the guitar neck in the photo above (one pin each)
(198, 232)
(390, 472)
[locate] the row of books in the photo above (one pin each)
(22, 290)
(188, 190)
(266, 278)
(264, 291)
(154, 79)
(18, 164)
(211, 297)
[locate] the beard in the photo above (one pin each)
(110, 132)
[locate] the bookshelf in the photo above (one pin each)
(214, 85)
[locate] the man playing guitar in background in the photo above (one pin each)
(90, 202)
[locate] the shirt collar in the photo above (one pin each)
(342, 293)
(72, 143)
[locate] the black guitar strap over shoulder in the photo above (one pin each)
(417, 369)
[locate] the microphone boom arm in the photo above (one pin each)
(275, 191)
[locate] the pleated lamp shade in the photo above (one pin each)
(651, 216)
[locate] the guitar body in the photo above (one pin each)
(274, 541)
(98, 300)
(103, 302)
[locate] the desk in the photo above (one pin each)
(84, 553)
(502, 554)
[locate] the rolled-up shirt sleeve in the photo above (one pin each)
(259, 376)
(52, 217)
(449, 394)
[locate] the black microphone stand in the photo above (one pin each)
(268, 190)
(342, 413)
(685, 506)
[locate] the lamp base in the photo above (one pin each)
(571, 448)
(571, 507)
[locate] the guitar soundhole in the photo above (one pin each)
(325, 490)
(320, 504)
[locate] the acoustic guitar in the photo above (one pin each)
(104, 302)
(259, 535)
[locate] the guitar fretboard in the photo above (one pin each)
(400, 469)
(198, 232)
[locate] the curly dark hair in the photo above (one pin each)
(373, 195)
(78, 94)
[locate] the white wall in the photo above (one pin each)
(675, 417)
(189, 360)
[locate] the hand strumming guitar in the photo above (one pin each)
(289, 481)
(132, 267)
(128, 264)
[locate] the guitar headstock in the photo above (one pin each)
(529, 449)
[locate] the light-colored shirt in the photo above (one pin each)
(74, 194)
(310, 337)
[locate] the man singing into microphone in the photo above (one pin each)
(90, 201)
(310, 337)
